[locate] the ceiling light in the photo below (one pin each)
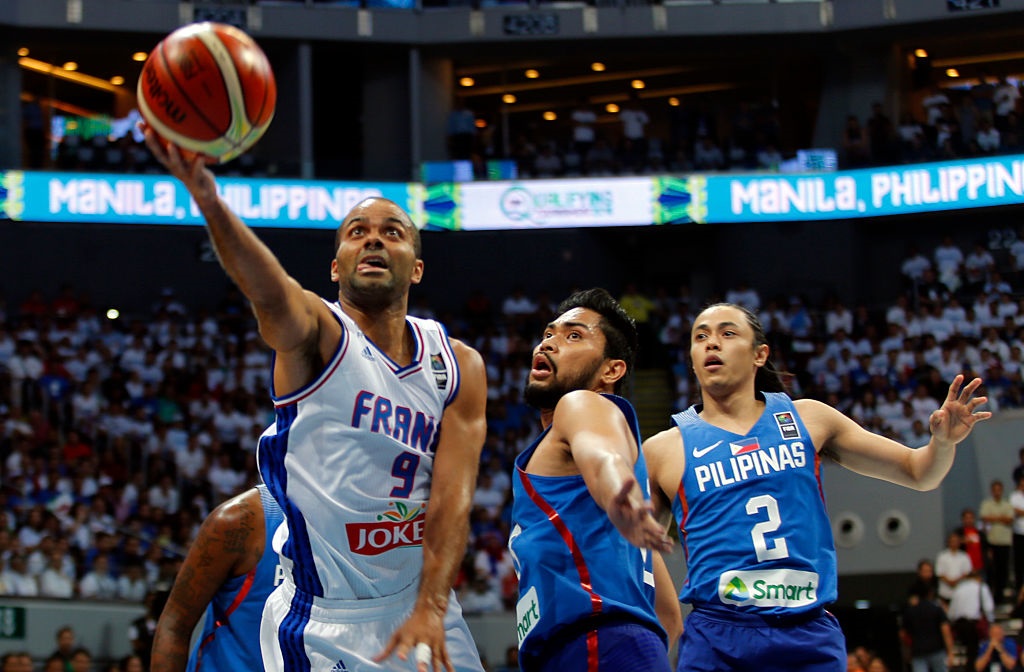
(467, 81)
(117, 80)
(140, 56)
(70, 66)
(611, 108)
(550, 116)
(673, 101)
(77, 77)
(920, 53)
(597, 67)
(508, 99)
(531, 74)
(952, 72)
(637, 84)
(23, 51)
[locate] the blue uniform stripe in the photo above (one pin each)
(272, 451)
(290, 634)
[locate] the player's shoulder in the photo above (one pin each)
(666, 439)
(241, 510)
(465, 353)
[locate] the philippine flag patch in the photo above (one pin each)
(747, 445)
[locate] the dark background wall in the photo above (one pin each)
(857, 260)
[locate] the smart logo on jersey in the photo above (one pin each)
(439, 369)
(789, 588)
(400, 527)
(736, 591)
(787, 425)
(748, 445)
(527, 613)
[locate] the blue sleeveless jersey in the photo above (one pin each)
(230, 639)
(571, 561)
(751, 514)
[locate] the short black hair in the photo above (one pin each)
(619, 329)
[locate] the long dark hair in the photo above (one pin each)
(619, 329)
(767, 378)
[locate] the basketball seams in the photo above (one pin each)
(171, 73)
(230, 66)
(223, 57)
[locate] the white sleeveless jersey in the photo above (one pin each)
(350, 459)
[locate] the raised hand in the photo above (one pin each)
(955, 419)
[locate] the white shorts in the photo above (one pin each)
(299, 633)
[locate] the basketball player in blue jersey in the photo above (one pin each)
(584, 540)
(374, 452)
(741, 474)
(228, 573)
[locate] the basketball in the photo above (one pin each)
(209, 89)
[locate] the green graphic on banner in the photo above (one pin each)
(440, 206)
(680, 200)
(12, 195)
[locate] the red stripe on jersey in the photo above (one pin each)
(570, 542)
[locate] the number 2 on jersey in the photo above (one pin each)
(779, 549)
(404, 469)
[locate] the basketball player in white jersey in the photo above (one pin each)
(374, 453)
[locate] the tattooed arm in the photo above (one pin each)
(230, 543)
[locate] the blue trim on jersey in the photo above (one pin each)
(272, 450)
(417, 353)
(456, 372)
(290, 634)
(291, 396)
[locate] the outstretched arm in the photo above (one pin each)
(872, 455)
(446, 529)
(603, 448)
(289, 317)
(229, 544)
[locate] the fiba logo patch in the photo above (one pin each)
(787, 425)
(439, 369)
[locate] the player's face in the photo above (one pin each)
(376, 258)
(722, 349)
(568, 357)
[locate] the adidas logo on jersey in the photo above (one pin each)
(339, 667)
(368, 355)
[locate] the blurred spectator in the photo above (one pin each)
(855, 144)
(707, 155)
(634, 133)
(1005, 98)
(16, 580)
(99, 582)
(461, 131)
(583, 120)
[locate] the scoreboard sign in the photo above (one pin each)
(530, 24)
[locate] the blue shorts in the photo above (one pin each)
(720, 640)
(620, 647)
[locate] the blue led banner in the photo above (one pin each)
(716, 198)
(154, 199)
(892, 190)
